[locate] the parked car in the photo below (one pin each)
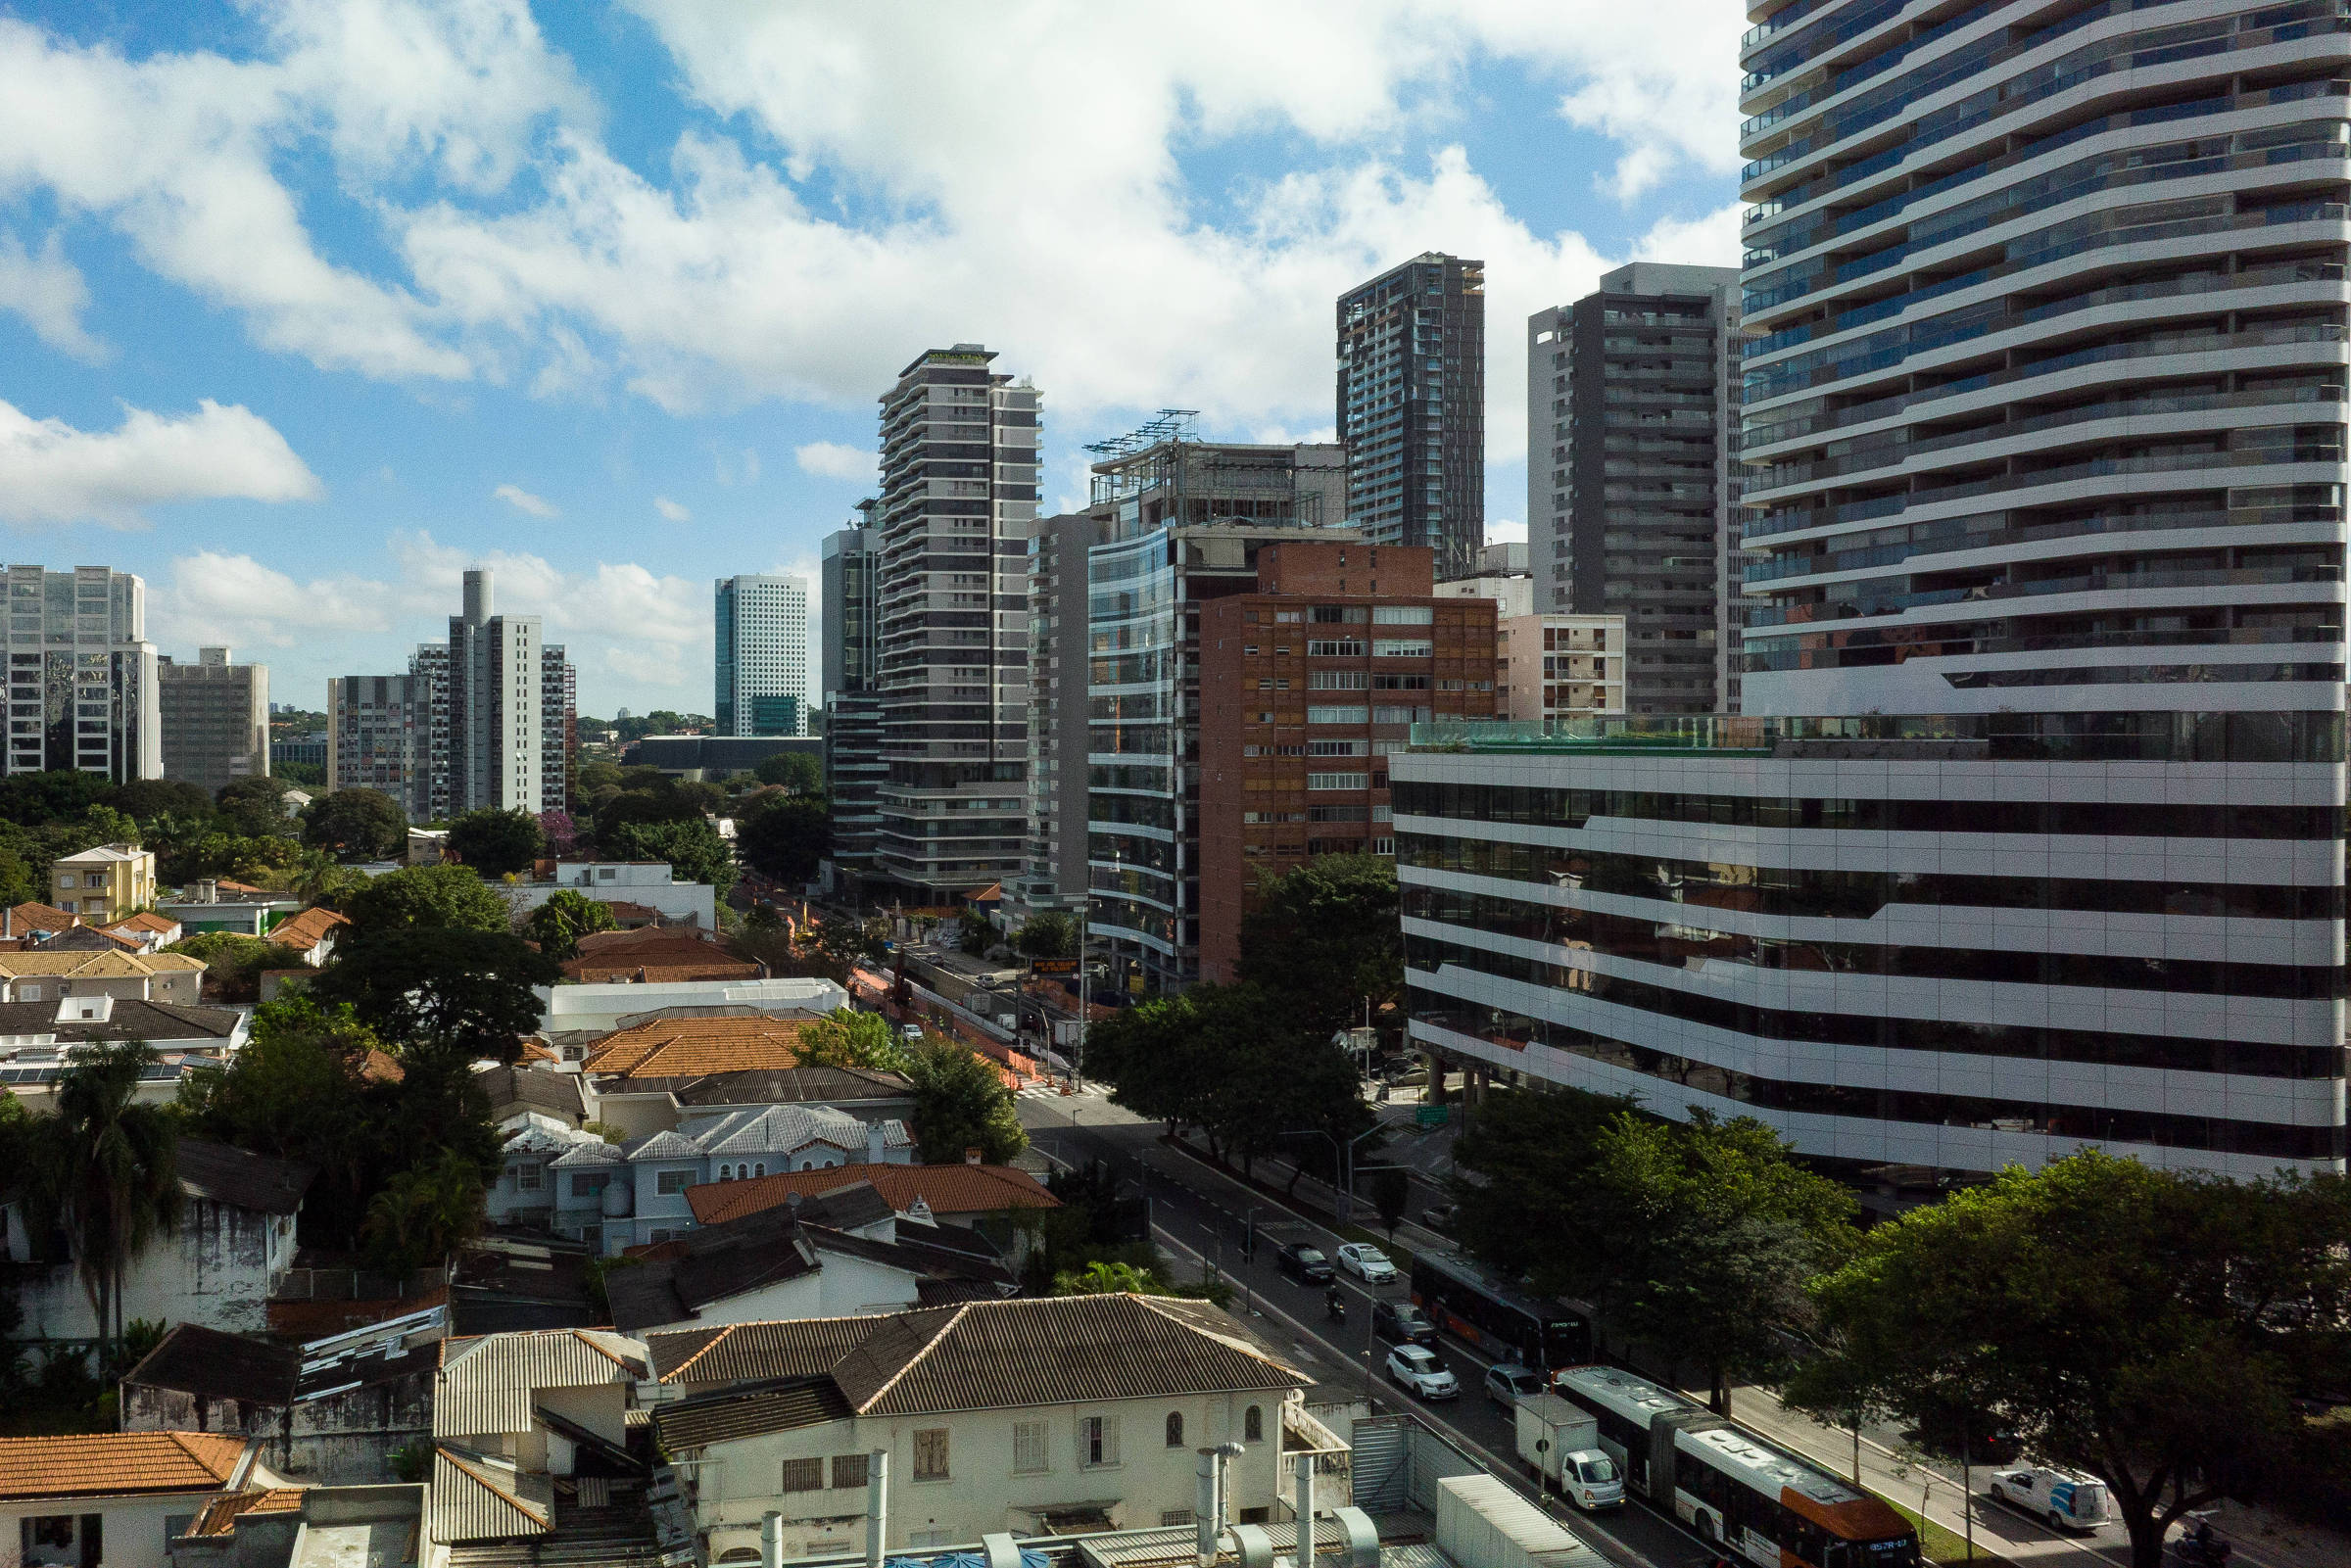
(1367, 1262)
(1401, 1323)
(1506, 1384)
(1303, 1263)
(1988, 1438)
(1407, 1075)
(1416, 1367)
(2059, 1498)
(1441, 1217)
(911, 1032)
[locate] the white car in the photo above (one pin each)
(1367, 1262)
(2059, 1499)
(1412, 1367)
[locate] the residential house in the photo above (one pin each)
(678, 1043)
(327, 1413)
(846, 1253)
(1029, 1416)
(216, 904)
(310, 934)
(232, 1248)
(603, 1007)
(38, 1041)
(644, 1105)
(503, 1282)
(617, 1195)
(145, 930)
(40, 974)
(36, 923)
(996, 1201)
(650, 882)
(656, 954)
(531, 1449)
(104, 883)
(111, 1498)
(536, 1089)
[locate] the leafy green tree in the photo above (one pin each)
(1389, 1189)
(365, 824)
(496, 842)
(445, 989)
(104, 1169)
(960, 1101)
(1322, 937)
(797, 771)
(148, 798)
(557, 924)
(18, 884)
(788, 839)
(234, 963)
(693, 848)
(1524, 1162)
(847, 1039)
(429, 896)
(255, 807)
(425, 1212)
(301, 775)
(1106, 1279)
(1051, 935)
(2147, 1326)
(34, 799)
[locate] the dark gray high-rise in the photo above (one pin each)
(848, 665)
(1411, 406)
(1632, 495)
(958, 496)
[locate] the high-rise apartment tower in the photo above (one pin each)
(215, 719)
(761, 626)
(1411, 406)
(81, 674)
(851, 696)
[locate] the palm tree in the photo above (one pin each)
(425, 1212)
(105, 1169)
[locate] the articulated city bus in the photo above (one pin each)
(1730, 1485)
(1474, 1306)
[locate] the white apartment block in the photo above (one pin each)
(762, 655)
(83, 690)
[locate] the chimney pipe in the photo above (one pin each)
(1204, 1508)
(1305, 1511)
(771, 1540)
(877, 1507)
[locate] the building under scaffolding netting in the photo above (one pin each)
(1161, 472)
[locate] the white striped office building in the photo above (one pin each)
(2044, 412)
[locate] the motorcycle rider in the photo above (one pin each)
(1334, 1306)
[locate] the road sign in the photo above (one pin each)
(1052, 966)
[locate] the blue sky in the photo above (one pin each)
(306, 308)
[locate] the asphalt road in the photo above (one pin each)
(1200, 1215)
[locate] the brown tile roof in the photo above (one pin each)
(690, 1047)
(145, 920)
(946, 1189)
(35, 916)
(221, 1515)
(114, 1464)
(646, 939)
(307, 929)
(740, 1352)
(628, 974)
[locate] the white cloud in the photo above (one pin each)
(47, 291)
(1505, 533)
(53, 473)
(670, 510)
(214, 597)
(522, 501)
(1709, 240)
(1010, 173)
(836, 460)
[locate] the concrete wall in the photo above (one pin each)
(217, 1269)
(131, 1531)
(344, 1439)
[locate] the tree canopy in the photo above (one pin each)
(255, 807)
(797, 771)
(1322, 937)
(364, 823)
(960, 1103)
(1051, 935)
(496, 842)
(428, 895)
(557, 924)
(2147, 1326)
(234, 963)
(453, 991)
(692, 848)
(847, 1039)
(788, 839)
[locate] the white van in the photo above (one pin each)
(2059, 1499)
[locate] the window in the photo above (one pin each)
(1098, 1440)
(804, 1475)
(527, 1176)
(930, 1453)
(1346, 648)
(1398, 648)
(1401, 615)
(1253, 1424)
(1029, 1453)
(1338, 681)
(1338, 714)
(587, 1184)
(1169, 1517)
(848, 1470)
(1337, 748)
(1174, 1429)
(1338, 780)
(669, 1183)
(29, 993)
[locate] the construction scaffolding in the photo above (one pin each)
(1174, 477)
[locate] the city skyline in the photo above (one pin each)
(369, 415)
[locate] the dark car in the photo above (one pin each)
(1303, 1263)
(1402, 1323)
(1988, 1438)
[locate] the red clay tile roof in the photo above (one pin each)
(33, 917)
(947, 1189)
(690, 1047)
(308, 929)
(221, 1515)
(114, 1464)
(145, 920)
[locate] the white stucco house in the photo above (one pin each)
(603, 1007)
(110, 1497)
(649, 883)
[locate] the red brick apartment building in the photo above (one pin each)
(1305, 686)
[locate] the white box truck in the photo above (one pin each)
(1559, 1445)
(1482, 1522)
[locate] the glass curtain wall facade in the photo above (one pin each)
(81, 674)
(854, 765)
(958, 497)
(2039, 841)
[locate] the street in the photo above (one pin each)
(1200, 1215)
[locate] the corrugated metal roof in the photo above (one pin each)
(485, 1385)
(476, 1498)
(717, 1418)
